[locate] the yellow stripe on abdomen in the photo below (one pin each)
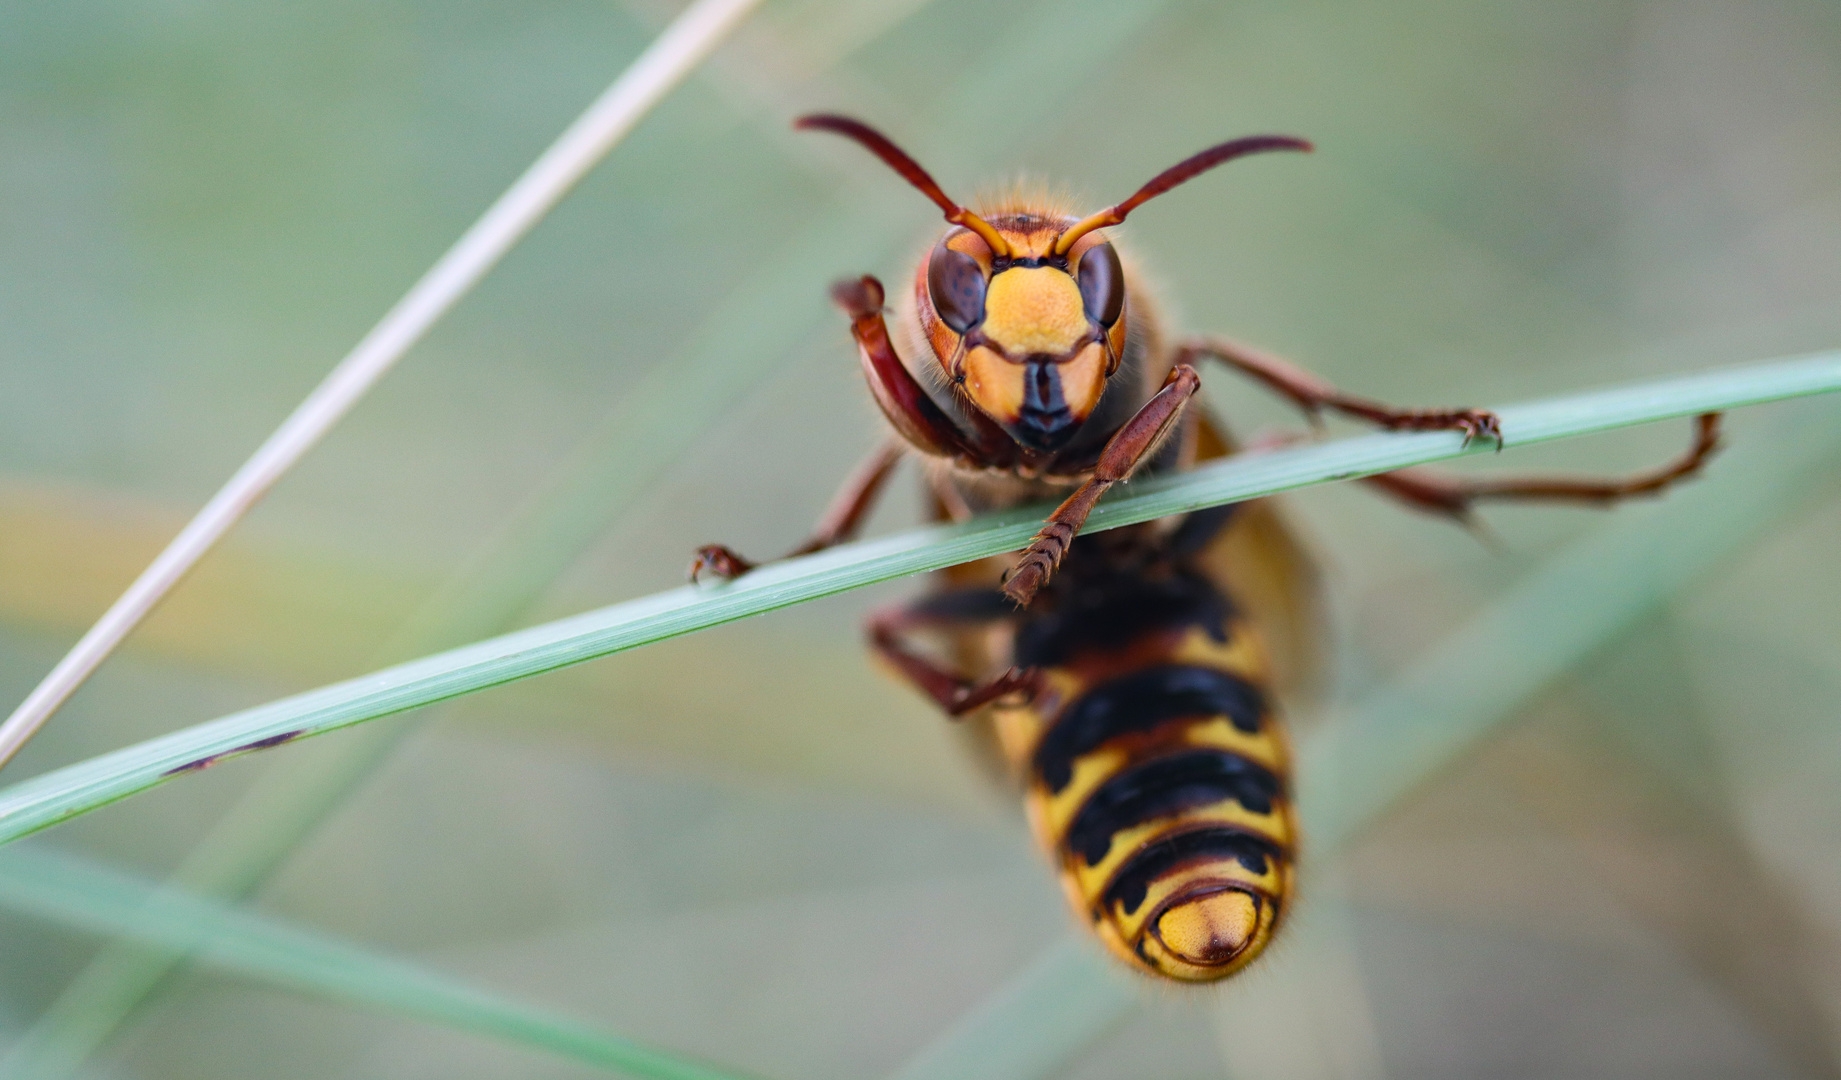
(1163, 794)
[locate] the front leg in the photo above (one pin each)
(917, 420)
(904, 402)
(840, 522)
(1313, 394)
(1126, 450)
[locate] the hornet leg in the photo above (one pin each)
(1129, 446)
(890, 629)
(903, 400)
(1440, 492)
(840, 522)
(1313, 394)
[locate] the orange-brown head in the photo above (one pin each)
(1026, 313)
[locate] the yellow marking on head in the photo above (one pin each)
(994, 384)
(1032, 243)
(1210, 930)
(985, 231)
(1083, 380)
(1034, 309)
(967, 243)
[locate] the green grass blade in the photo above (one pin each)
(672, 57)
(773, 313)
(65, 793)
(669, 409)
(77, 893)
(1424, 720)
(1574, 605)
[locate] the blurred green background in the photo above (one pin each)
(747, 843)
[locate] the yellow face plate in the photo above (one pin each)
(1034, 309)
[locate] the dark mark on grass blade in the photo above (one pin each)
(259, 744)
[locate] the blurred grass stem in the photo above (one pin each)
(647, 430)
(1352, 772)
(1372, 755)
(77, 789)
(75, 892)
(671, 57)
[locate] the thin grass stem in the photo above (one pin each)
(77, 893)
(1477, 679)
(57, 796)
(642, 85)
(666, 412)
(1364, 761)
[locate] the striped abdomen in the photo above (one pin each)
(1156, 771)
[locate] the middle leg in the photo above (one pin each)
(1439, 492)
(1313, 394)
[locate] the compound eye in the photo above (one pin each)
(955, 284)
(1102, 284)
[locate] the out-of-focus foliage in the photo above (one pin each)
(746, 843)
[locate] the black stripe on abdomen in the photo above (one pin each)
(1165, 786)
(1117, 613)
(1151, 862)
(1140, 702)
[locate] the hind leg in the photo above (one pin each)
(892, 632)
(1454, 496)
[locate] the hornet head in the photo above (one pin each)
(1026, 311)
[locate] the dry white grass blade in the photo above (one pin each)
(661, 67)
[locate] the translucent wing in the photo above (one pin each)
(1260, 562)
